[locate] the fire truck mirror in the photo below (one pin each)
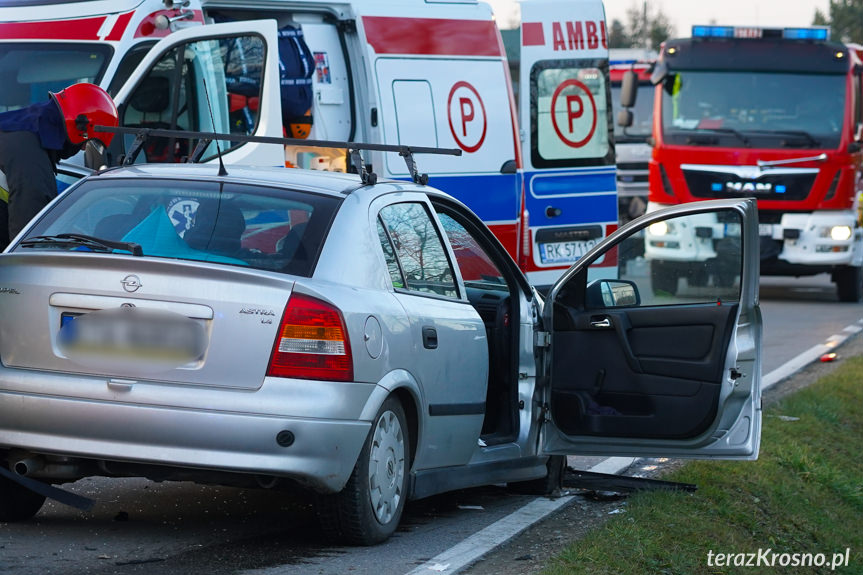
(628, 89)
(660, 71)
(625, 118)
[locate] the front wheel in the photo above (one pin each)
(368, 509)
(849, 284)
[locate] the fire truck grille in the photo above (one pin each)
(784, 187)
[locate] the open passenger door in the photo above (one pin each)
(216, 78)
(634, 369)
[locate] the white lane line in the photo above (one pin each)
(809, 356)
(474, 547)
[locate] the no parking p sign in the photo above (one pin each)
(573, 113)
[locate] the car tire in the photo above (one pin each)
(368, 509)
(663, 278)
(17, 503)
(553, 480)
(849, 284)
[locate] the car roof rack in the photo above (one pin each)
(353, 148)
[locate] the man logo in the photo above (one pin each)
(749, 186)
(131, 283)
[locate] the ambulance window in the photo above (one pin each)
(570, 114)
(211, 85)
(415, 113)
(130, 61)
(28, 71)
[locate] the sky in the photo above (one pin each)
(685, 13)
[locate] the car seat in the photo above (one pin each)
(218, 228)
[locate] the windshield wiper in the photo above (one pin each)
(730, 131)
(84, 240)
(810, 139)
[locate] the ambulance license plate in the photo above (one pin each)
(564, 252)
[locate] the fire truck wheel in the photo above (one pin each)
(849, 284)
(663, 278)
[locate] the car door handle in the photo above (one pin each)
(429, 337)
(603, 323)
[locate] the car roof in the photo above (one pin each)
(312, 180)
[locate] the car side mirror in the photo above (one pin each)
(854, 147)
(628, 89)
(607, 293)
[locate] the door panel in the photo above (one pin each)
(660, 359)
(653, 373)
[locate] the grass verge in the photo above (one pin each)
(804, 495)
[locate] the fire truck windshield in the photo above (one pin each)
(28, 71)
(753, 109)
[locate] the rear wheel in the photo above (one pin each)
(368, 510)
(18, 503)
(849, 283)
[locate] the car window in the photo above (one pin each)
(390, 256)
(477, 268)
(253, 226)
(418, 249)
(691, 259)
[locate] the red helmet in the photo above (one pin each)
(84, 106)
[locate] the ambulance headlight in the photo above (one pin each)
(840, 233)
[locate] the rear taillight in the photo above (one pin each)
(312, 342)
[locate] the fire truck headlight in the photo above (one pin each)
(840, 233)
(659, 229)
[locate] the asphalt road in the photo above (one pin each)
(144, 527)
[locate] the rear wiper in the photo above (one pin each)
(810, 139)
(84, 240)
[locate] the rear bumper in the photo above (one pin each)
(321, 456)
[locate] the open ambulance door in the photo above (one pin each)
(570, 189)
(214, 78)
(633, 369)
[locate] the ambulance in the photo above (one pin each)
(410, 72)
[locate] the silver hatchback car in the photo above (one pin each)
(372, 343)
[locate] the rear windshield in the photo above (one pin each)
(233, 224)
(28, 71)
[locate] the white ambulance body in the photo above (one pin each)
(413, 72)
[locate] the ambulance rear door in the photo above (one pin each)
(215, 78)
(567, 138)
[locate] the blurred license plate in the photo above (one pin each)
(564, 252)
(131, 333)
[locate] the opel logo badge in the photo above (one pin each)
(131, 283)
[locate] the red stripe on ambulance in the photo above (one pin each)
(567, 36)
(432, 36)
(532, 34)
(79, 29)
(119, 27)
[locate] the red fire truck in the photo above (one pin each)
(774, 114)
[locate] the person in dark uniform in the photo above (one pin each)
(34, 139)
